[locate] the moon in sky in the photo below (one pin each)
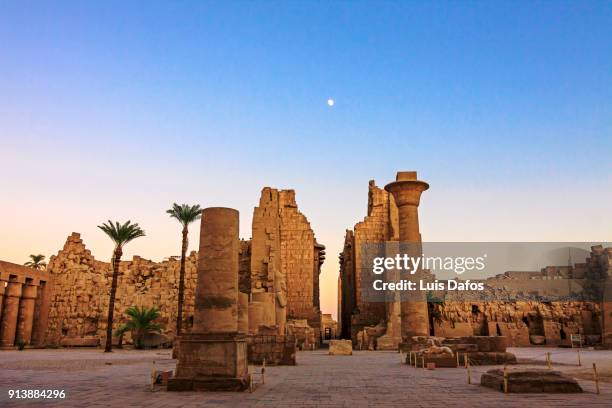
(330, 102)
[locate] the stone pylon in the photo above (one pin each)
(213, 357)
(406, 191)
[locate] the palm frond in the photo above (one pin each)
(36, 262)
(185, 213)
(121, 234)
(141, 320)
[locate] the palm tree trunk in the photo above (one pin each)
(181, 290)
(111, 302)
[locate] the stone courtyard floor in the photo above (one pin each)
(91, 378)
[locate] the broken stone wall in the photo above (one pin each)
(279, 258)
(81, 285)
(524, 323)
(297, 254)
(376, 227)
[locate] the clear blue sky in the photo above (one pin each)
(110, 109)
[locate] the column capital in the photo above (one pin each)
(13, 289)
(406, 189)
(28, 291)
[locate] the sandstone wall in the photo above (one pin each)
(279, 267)
(376, 227)
(285, 263)
(519, 315)
(297, 250)
(523, 322)
(265, 241)
(81, 285)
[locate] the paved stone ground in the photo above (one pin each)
(94, 379)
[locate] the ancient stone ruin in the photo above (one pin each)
(24, 305)
(282, 278)
(392, 216)
(213, 356)
(278, 283)
(340, 348)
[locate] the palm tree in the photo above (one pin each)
(185, 214)
(121, 234)
(140, 324)
(36, 262)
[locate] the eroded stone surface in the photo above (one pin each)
(340, 348)
(281, 263)
(530, 381)
(213, 356)
(522, 322)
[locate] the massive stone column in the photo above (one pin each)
(213, 356)
(8, 327)
(393, 335)
(41, 313)
(26, 312)
(216, 304)
(406, 191)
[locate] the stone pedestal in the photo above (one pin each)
(211, 362)
(406, 191)
(213, 357)
(26, 313)
(8, 327)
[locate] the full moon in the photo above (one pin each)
(330, 102)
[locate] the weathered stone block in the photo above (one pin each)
(530, 381)
(340, 348)
(207, 361)
(492, 358)
(439, 361)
